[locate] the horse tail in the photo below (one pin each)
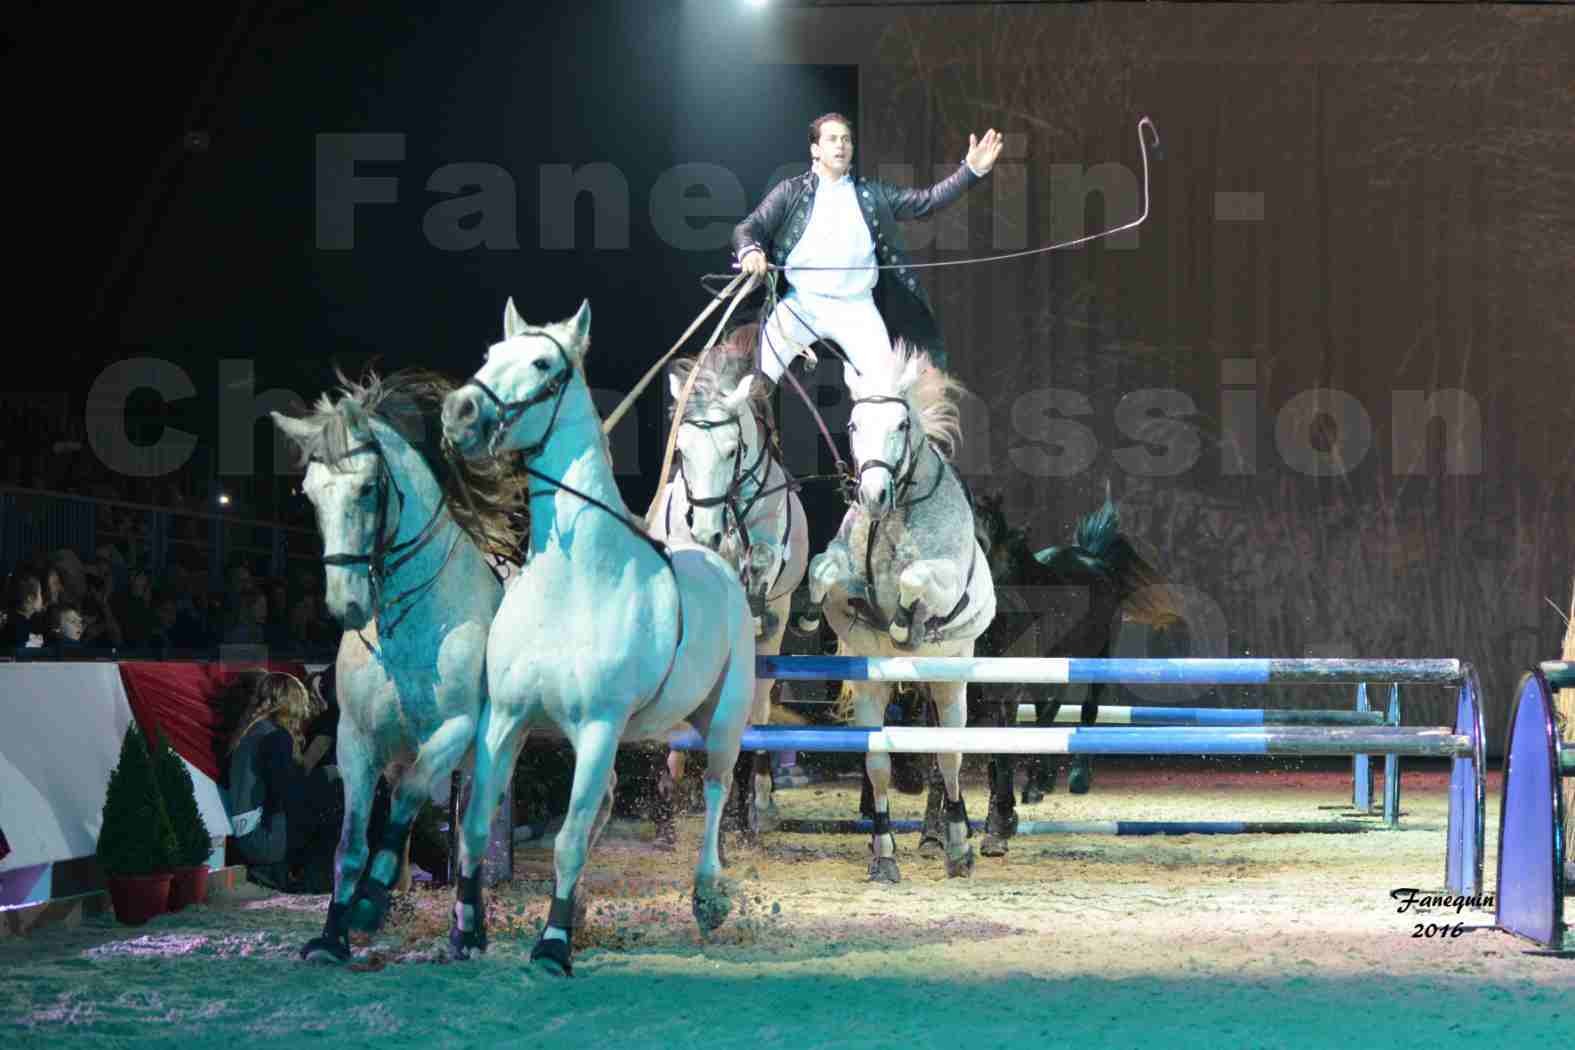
(1145, 594)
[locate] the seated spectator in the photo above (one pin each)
(286, 808)
(101, 629)
(54, 594)
(23, 604)
(306, 628)
(251, 612)
(63, 629)
(134, 611)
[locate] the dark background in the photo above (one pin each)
(1416, 163)
(180, 163)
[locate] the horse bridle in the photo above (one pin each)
(387, 556)
(509, 412)
(900, 479)
(734, 492)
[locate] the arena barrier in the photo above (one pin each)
(1360, 715)
(1531, 846)
(1463, 743)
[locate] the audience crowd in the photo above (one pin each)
(66, 606)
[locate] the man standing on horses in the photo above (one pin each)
(829, 249)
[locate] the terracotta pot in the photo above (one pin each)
(138, 898)
(188, 886)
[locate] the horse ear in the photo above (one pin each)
(675, 385)
(910, 371)
(513, 323)
(739, 396)
(297, 430)
(579, 329)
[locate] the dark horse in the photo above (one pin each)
(1057, 602)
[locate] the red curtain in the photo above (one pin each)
(177, 698)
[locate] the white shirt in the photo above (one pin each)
(836, 236)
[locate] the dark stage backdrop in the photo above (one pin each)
(1359, 208)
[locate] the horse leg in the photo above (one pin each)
(1081, 778)
(1041, 768)
(1001, 823)
(869, 709)
(360, 784)
(932, 836)
(951, 709)
(721, 722)
(499, 738)
(664, 801)
(437, 757)
(595, 747)
(765, 811)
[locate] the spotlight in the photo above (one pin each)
(224, 500)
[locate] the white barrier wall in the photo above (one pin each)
(61, 727)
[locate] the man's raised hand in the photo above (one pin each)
(982, 152)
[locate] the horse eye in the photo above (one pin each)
(540, 364)
(852, 426)
(903, 425)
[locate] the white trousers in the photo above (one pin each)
(855, 324)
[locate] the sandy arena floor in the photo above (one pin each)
(1195, 941)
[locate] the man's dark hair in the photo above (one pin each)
(814, 125)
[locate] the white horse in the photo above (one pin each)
(415, 594)
(905, 573)
(731, 493)
(605, 633)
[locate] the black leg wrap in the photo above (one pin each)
(882, 822)
(762, 763)
(555, 953)
(460, 942)
(333, 945)
(561, 914)
(957, 811)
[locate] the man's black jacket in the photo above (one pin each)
(777, 224)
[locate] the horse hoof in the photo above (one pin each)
(960, 867)
(931, 846)
(462, 942)
(326, 950)
(666, 838)
(899, 633)
(993, 845)
(809, 625)
(884, 869)
(711, 906)
(552, 957)
(760, 628)
(1080, 780)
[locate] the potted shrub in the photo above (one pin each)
(189, 869)
(136, 844)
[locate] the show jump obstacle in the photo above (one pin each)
(1463, 743)
(1531, 846)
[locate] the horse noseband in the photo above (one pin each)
(509, 412)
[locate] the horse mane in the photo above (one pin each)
(726, 365)
(485, 497)
(932, 397)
